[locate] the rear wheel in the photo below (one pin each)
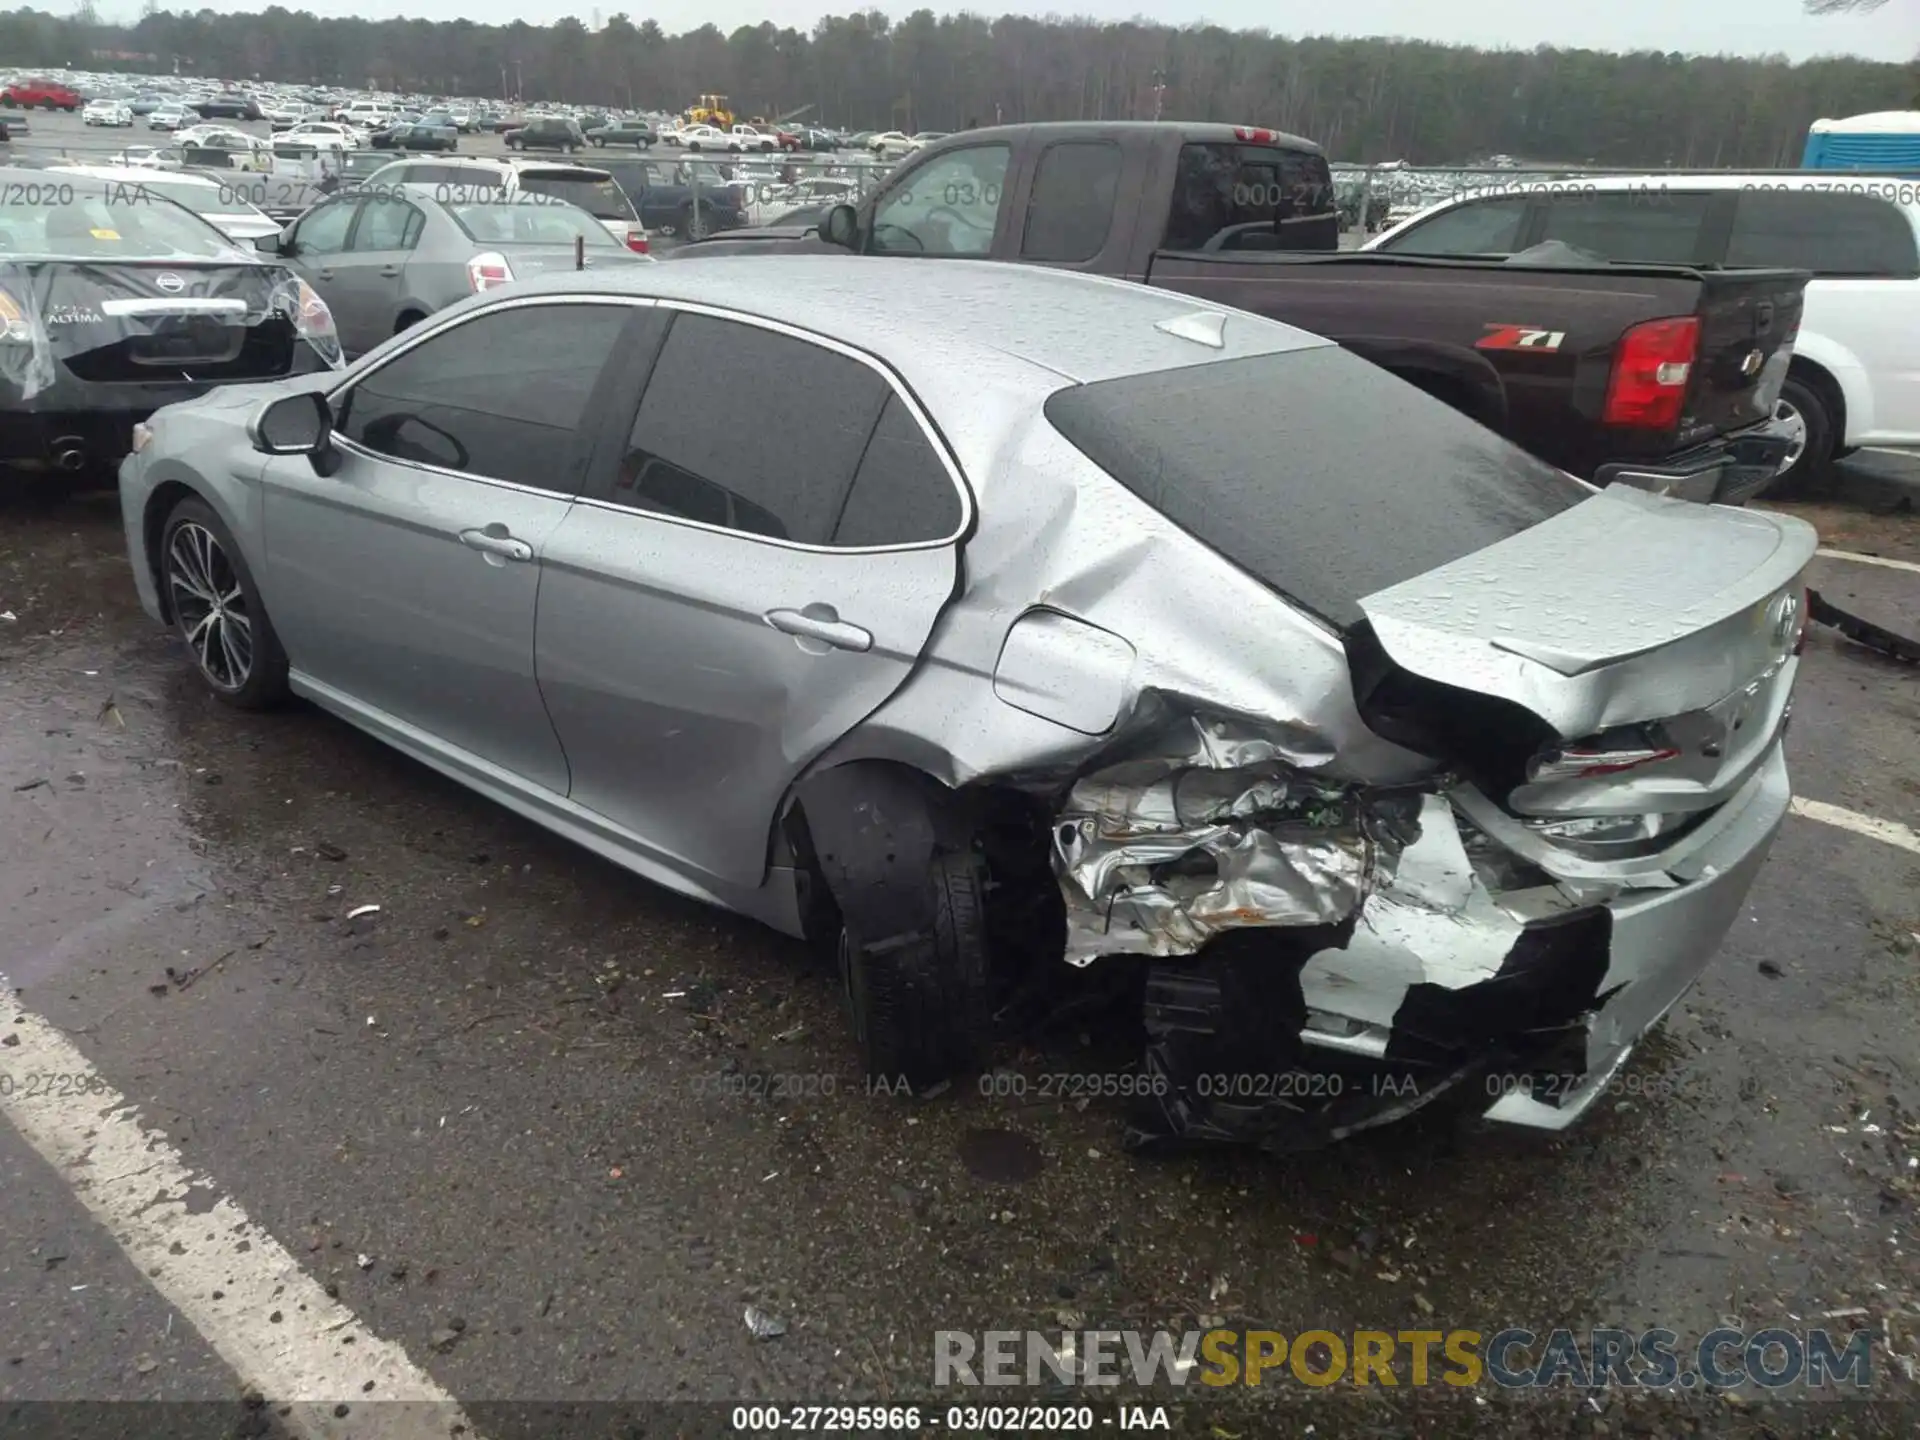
(921, 1006)
(1808, 411)
(216, 608)
(407, 321)
(694, 224)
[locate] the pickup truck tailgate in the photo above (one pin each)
(1748, 322)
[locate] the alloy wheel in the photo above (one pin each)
(210, 605)
(1796, 428)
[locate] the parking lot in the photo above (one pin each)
(521, 1121)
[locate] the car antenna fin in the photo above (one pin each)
(1203, 327)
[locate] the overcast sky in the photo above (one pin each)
(1741, 27)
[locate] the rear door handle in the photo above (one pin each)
(389, 270)
(837, 633)
(324, 274)
(505, 546)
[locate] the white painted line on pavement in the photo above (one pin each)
(1826, 554)
(1891, 831)
(270, 1321)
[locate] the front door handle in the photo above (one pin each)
(324, 274)
(835, 632)
(494, 540)
(389, 270)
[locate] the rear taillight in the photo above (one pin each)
(1651, 367)
(14, 324)
(488, 271)
(637, 241)
(1586, 762)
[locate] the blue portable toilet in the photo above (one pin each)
(1889, 140)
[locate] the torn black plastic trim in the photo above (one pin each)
(1862, 632)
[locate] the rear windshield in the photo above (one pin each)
(103, 220)
(600, 198)
(1251, 197)
(531, 220)
(1316, 472)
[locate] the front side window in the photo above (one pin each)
(501, 397)
(1823, 231)
(324, 230)
(784, 476)
(1071, 209)
(1479, 227)
(948, 206)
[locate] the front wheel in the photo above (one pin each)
(217, 610)
(921, 1005)
(694, 225)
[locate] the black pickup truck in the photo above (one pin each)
(1664, 377)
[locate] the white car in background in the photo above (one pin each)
(172, 116)
(223, 205)
(925, 138)
(107, 112)
(708, 137)
(890, 144)
(1855, 377)
(322, 135)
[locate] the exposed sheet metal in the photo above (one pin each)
(1208, 826)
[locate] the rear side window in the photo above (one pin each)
(1317, 473)
(1252, 197)
(901, 494)
(1826, 232)
(1483, 227)
(1632, 226)
(785, 474)
(1071, 209)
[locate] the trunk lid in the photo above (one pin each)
(1631, 653)
(1748, 322)
(163, 322)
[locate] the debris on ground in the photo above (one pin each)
(359, 910)
(327, 851)
(1862, 632)
(764, 1324)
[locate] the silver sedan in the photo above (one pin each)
(384, 257)
(1029, 624)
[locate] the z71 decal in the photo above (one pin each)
(1520, 337)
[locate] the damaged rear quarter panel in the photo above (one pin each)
(1058, 535)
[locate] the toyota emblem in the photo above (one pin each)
(169, 282)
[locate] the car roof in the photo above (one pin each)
(935, 321)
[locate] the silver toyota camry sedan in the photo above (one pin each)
(978, 622)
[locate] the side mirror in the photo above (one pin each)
(270, 244)
(293, 425)
(841, 227)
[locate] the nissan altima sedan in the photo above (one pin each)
(386, 256)
(1031, 622)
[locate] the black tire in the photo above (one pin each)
(264, 684)
(921, 1007)
(694, 225)
(408, 319)
(1813, 473)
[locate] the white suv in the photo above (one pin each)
(1855, 378)
(592, 190)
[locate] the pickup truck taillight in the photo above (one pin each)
(1651, 366)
